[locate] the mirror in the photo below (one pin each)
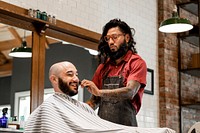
(15, 80)
(41, 32)
(14, 72)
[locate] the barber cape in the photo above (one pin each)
(63, 114)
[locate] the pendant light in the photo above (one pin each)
(175, 24)
(23, 51)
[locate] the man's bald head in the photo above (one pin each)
(57, 68)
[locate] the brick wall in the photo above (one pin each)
(168, 71)
(169, 74)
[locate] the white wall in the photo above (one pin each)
(93, 14)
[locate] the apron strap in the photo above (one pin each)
(122, 69)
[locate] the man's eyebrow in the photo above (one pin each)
(70, 72)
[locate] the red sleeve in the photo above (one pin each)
(138, 71)
(97, 78)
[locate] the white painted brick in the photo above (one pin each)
(93, 14)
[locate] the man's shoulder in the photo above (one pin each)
(100, 67)
(45, 104)
(136, 60)
(135, 56)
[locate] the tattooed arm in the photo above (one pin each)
(127, 92)
(93, 102)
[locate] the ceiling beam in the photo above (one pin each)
(16, 35)
(9, 44)
(6, 69)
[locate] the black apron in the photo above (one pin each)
(115, 110)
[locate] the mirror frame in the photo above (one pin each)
(18, 17)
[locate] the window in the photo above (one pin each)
(22, 101)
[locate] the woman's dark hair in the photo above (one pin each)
(103, 47)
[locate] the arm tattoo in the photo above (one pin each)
(127, 92)
(94, 102)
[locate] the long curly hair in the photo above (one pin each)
(103, 47)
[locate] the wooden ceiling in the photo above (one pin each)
(11, 37)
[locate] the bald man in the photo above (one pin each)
(60, 113)
(48, 117)
(64, 78)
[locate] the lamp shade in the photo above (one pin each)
(21, 52)
(175, 24)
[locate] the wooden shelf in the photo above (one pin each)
(191, 6)
(191, 36)
(194, 105)
(194, 67)
(194, 72)
(195, 62)
(10, 130)
(18, 17)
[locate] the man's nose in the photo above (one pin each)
(76, 78)
(110, 41)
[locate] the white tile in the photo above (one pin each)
(93, 14)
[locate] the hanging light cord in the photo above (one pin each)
(24, 38)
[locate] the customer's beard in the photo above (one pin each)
(64, 87)
(119, 53)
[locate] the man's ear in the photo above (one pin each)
(53, 78)
(127, 38)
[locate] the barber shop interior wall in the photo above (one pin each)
(21, 77)
(94, 14)
(5, 90)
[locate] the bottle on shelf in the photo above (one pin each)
(4, 119)
(38, 14)
(50, 18)
(14, 124)
(31, 12)
(21, 123)
(44, 16)
(54, 20)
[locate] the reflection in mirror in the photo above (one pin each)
(22, 51)
(58, 50)
(15, 73)
(83, 58)
(22, 102)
